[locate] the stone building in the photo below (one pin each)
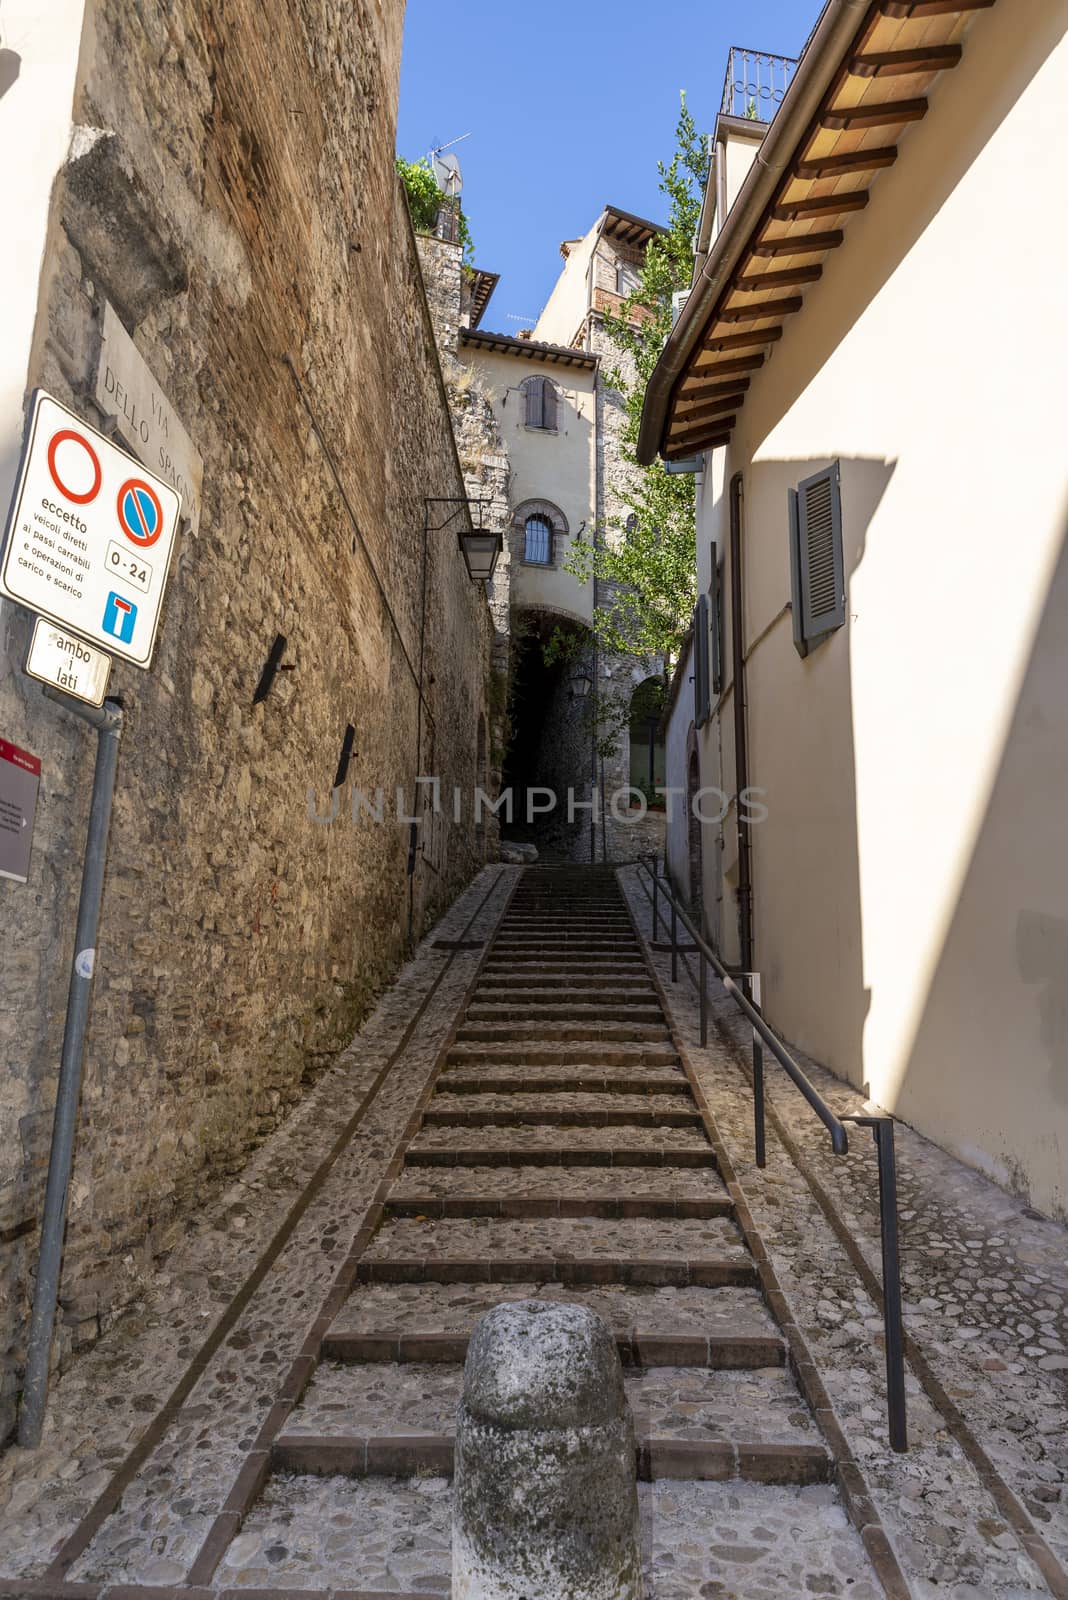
(215, 190)
(545, 451)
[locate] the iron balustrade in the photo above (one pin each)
(882, 1126)
(755, 83)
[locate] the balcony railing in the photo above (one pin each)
(755, 83)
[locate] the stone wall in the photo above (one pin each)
(243, 217)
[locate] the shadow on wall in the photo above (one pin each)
(806, 870)
(993, 1031)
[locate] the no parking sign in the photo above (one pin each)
(90, 534)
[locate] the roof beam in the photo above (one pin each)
(703, 411)
(760, 308)
(852, 161)
(775, 280)
(797, 244)
(708, 391)
(820, 205)
(721, 425)
(876, 114)
(899, 63)
(738, 341)
(740, 364)
(902, 10)
(679, 452)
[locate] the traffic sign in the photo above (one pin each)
(68, 663)
(80, 520)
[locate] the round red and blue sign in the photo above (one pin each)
(140, 513)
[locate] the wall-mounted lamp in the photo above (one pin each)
(580, 686)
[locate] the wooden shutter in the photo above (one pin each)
(715, 607)
(819, 551)
(701, 704)
(800, 642)
(533, 389)
(548, 403)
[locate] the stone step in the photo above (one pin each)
(637, 1351)
(551, 1147)
(563, 1032)
(707, 1273)
(579, 1053)
(561, 1110)
(644, 1240)
(529, 1206)
(614, 1186)
(416, 1455)
(565, 944)
(533, 986)
(529, 968)
(385, 1538)
(526, 1011)
(563, 1080)
(674, 1317)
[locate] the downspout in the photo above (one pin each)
(741, 746)
(721, 184)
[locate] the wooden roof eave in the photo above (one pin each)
(880, 88)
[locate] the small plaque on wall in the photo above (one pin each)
(20, 777)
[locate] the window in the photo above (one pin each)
(626, 277)
(541, 403)
(817, 571)
(701, 701)
(538, 546)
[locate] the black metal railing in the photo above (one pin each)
(746, 995)
(755, 83)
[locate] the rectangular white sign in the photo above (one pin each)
(68, 663)
(90, 534)
(143, 418)
(20, 778)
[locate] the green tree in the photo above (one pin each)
(425, 200)
(648, 555)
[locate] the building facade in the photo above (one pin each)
(879, 648)
(550, 414)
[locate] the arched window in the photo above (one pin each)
(541, 398)
(538, 543)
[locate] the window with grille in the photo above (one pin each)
(538, 546)
(816, 566)
(702, 705)
(541, 403)
(626, 277)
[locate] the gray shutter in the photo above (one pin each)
(819, 518)
(715, 606)
(533, 389)
(701, 705)
(548, 404)
(800, 642)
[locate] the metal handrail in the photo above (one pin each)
(882, 1128)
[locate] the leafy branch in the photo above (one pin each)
(647, 558)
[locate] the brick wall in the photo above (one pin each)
(242, 214)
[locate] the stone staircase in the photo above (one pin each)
(563, 1155)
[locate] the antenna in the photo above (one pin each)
(446, 168)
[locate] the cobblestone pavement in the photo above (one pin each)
(986, 1305)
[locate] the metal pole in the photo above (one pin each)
(108, 722)
(758, 1077)
(883, 1129)
(674, 943)
(656, 897)
(704, 1000)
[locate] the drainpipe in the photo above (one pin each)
(741, 747)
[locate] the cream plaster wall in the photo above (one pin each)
(557, 466)
(566, 307)
(911, 914)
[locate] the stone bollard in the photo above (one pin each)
(546, 1498)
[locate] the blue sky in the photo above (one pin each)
(569, 103)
